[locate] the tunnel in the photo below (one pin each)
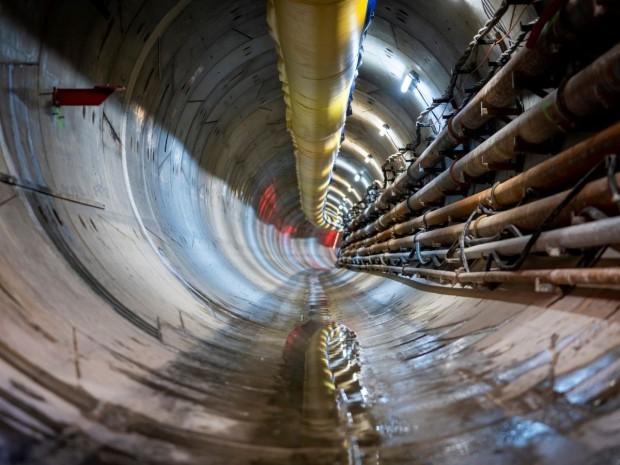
(164, 299)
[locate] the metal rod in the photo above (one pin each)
(562, 277)
(40, 189)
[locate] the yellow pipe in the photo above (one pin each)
(318, 44)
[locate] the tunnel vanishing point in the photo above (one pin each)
(309, 232)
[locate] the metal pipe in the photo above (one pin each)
(558, 277)
(577, 17)
(526, 217)
(566, 167)
(594, 234)
(590, 92)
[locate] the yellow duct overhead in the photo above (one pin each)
(318, 43)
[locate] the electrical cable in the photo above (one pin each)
(552, 216)
(498, 41)
(510, 230)
(478, 211)
(544, 18)
(501, 60)
(462, 240)
(464, 60)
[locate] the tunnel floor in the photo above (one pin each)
(454, 402)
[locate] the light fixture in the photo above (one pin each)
(384, 129)
(407, 80)
(410, 78)
(350, 189)
(357, 177)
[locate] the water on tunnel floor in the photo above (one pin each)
(164, 301)
(322, 413)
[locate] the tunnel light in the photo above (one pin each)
(357, 177)
(386, 131)
(406, 83)
(361, 152)
(410, 78)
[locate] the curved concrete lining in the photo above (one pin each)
(154, 328)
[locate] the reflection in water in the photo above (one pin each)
(322, 411)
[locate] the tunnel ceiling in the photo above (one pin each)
(160, 286)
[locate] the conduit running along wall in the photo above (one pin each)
(318, 45)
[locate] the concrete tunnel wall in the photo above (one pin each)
(153, 328)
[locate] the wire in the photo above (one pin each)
(463, 237)
(544, 18)
(471, 51)
(418, 255)
(552, 216)
(462, 240)
(498, 41)
(463, 60)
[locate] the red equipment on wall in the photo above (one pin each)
(80, 97)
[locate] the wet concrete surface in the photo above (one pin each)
(424, 394)
(449, 405)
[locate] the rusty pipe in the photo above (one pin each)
(565, 167)
(576, 18)
(526, 217)
(593, 234)
(593, 90)
(560, 277)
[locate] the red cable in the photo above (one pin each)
(543, 19)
